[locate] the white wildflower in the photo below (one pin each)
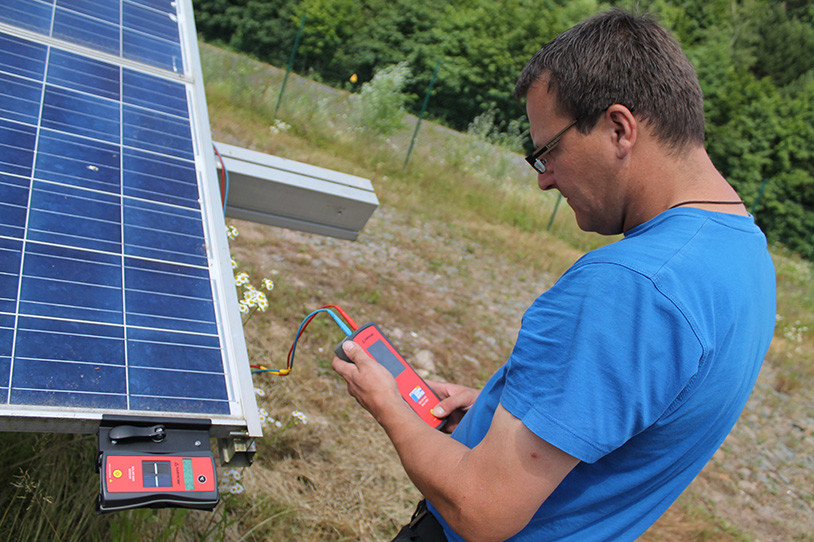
(279, 126)
(251, 296)
(242, 278)
(231, 474)
(236, 489)
(262, 301)
(300, 416)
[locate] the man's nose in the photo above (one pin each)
(546, 181)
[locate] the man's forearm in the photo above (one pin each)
(439, 467)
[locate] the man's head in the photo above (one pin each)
(619, 58)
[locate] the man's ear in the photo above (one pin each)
(625, 128)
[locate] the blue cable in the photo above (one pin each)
(225, 178)
(342, 325)
(339, 322)
(226, 189)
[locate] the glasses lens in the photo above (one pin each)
(536, 164)
(534, 159)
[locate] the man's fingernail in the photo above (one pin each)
(347, 346)
(437, 412)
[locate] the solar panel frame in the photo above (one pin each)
(154, 151)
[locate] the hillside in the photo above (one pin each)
(450, 287)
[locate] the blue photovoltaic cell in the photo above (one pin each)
(19, 99)
(85, 30)
(150, 35)
(23, 58)
(105, 295)
(145, 32)
(56, 216)
(16, 147)
(77, 161)
(10, 254)
(162, 179)
(156, 132)
(83, 74)
(106, 11)
(153, 231)
(29, 14)
(80, 114)
(154, 93)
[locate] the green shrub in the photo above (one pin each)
(379, 106)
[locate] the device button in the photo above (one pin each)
(202, 479)
(117, 473)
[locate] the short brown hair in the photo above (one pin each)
(618, 57)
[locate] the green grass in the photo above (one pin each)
(49, 485)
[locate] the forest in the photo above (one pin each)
(754, 58)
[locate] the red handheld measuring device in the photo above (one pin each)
(411, 386)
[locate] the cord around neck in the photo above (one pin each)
(707, 202)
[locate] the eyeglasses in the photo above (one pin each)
(535, 159)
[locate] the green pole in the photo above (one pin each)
(423, 109)
(759, 195)
(290, 64)
(553, 214)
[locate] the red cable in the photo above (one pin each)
(353, 325)
(291, 350)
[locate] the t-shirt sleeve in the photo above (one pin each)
(599, 357)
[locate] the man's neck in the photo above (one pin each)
(689, 178)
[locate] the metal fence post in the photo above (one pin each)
(554, 213)
(290, 64)
(759, 196)
(421, 114)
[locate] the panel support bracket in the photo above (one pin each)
(237, 450)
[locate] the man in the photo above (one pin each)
(631, 370)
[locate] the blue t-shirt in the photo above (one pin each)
(638, 362)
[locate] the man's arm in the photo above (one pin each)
(489, 492)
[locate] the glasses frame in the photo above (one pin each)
(534, 159)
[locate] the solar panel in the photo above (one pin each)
(116, 293)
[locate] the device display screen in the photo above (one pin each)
(383, 355)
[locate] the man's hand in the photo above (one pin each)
(369, 382)
(455, 401)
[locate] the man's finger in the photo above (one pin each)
(356, 353)
(462, 400)
(446, 406)
(342, 367)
